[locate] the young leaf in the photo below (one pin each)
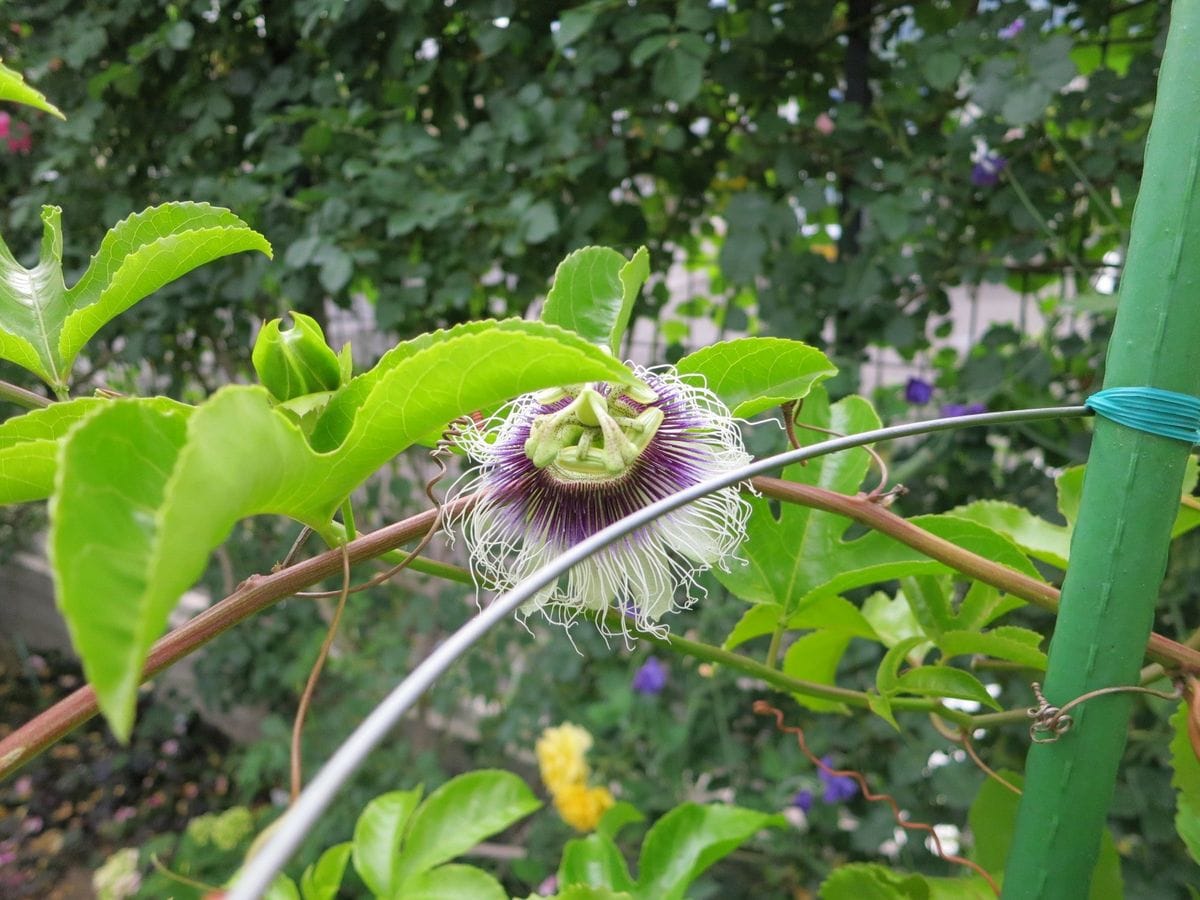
(944, 681)
(460, 814)
(242, 457)
(457, 881)
(756, 373)
(1186, 782)
(759, 619)
(44, 325)
(1019, 645)
(815, 657)
(282, 888)
(377, 835)
(689, 839)
(583, 892)
(322, 879)
(887, 676)
(871, 881)
(29, 448)
(617, 817)
(1040, 539)
(594, 861)
(14, 88)
(593, 294)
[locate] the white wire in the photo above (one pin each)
(290, 830)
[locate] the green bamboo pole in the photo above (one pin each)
(1130, 496)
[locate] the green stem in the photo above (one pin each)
(776, 641)
(433, 567)
(348, 519)
(777, 679)
(1130, 499)
(22, 396)
(1100, 202)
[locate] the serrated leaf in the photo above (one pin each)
(1040, 539)
(1019, 645)
(14, 88)
(457, 881)
(594, 861)
(1186, 781)
(944, 681)
(29, 448)
(757, 373)
(759, 619)
(871, 881)
(377, 836)
(833, 613)
(242, 457)
(593, 294)
(44, 325)
(815, 657)
(689, 839)
(460, 814)
(322, 879)
(887, 676)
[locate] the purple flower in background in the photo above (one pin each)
(803, 800)
(651, 678)
(986, 172)
(838, 788)
(963, 409)
(1012, 29)
(917, 391)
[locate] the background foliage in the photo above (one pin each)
(833, 169)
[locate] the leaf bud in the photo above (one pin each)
(297, 361)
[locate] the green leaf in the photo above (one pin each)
(322, 879)
(993, 816)
(1040, 539)
(941, 68)
(756, 373)
(678, 75)
(574, 24)
(887, 676)
(594, 861)
(113, 475)
(584, 892)
(14, 88)
(759, 619)
(871, 881)
(945, 681)
(617, 817)
(242, 457)
(593, 294)
(1186, 781)
(689, 839)
(460, 814)
(834, 614)
(1019, 645)
(815, 657)
(29, 446)
(377, 835)
(44, 325)
(457, 881)
(282, 888)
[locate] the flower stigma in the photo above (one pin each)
(557, 466)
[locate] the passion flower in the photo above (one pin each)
(554, 468)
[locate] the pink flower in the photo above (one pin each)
(5, 119)
(825, 124)
(124, 814)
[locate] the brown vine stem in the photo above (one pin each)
(260, 591)
(1161, 649)
(23, 397)
(255, 594)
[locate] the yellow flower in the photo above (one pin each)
(560, 755)
(581, 807)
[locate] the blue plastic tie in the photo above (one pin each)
(1156, 411)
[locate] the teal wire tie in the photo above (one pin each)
(1152, 410)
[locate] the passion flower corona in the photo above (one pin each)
(558, 466)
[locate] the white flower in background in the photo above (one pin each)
(558, 466)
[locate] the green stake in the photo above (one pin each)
(1130, 497)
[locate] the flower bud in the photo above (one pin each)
(295, 362)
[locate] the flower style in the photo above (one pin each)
(568, 462)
